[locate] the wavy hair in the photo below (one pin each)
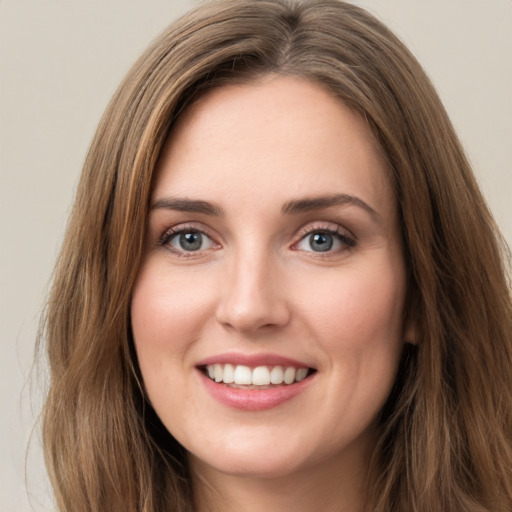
(446, 430)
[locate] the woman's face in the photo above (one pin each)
(267, 313)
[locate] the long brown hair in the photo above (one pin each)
(446, 431)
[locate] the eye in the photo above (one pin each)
(324, 241)
(187, 240)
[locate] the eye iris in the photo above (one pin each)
(190, 241)
(321, 242)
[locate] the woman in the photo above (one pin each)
(280, 286)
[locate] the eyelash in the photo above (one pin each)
(348, 241)
(171, 233)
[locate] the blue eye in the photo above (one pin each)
(321, 242)
(324, 241)
(188, 241)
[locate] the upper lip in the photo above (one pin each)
(252, 360)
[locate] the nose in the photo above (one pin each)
(252, 296)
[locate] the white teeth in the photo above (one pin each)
(218, 372)
(229, 374)
(301, 374)
(276, 375)
(243, 375)
(259, 376)
(289, 375)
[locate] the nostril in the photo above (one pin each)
(251, 299)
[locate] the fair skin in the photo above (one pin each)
(273, 243)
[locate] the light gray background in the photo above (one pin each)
(60, 62)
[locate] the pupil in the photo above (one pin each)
(190, 241)
(321, 242)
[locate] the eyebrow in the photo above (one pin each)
(317, 203)
(292, 207)
(188, 205)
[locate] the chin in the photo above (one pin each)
(260, 467)
(251, 458)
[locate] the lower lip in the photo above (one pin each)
(254, 399)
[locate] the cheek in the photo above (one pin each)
(359, 323)
(168, 312)
(357, 320)
(358, 303)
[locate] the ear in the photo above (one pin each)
(410, 331)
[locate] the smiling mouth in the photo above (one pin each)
(259, 377)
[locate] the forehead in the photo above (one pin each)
(276, 137)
